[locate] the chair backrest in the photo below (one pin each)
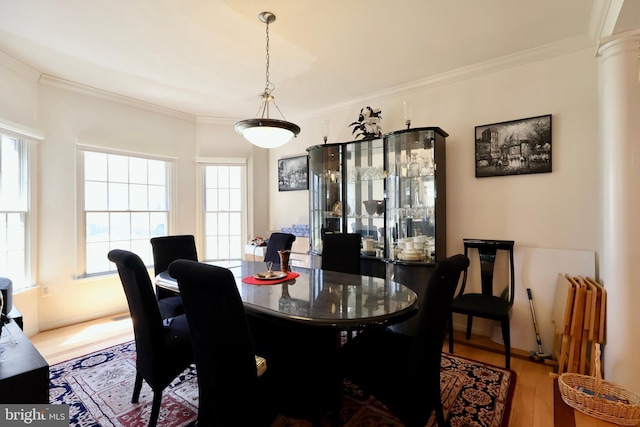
(341, 252)
(222, 345)
(167, 249)
(435, 309)
(487, 251)
(143, 306)
(278, 242)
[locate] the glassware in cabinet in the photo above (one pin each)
(390, 190)
(346, 193)
(416, 203)
(326, 205)
(364, 163)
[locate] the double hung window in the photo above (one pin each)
(125, 203)
(14, 211)
(224, 211)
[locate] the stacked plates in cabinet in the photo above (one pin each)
(413, 248)
(410, 255)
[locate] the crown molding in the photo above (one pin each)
(18, 66)
(53, 81)
(551, 50)
(521, 58)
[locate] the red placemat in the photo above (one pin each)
(253, 281)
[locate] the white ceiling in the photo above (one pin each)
(207, 57)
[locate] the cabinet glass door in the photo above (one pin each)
(325, 193)
(411, 185)
(391, 190)
(365, 203)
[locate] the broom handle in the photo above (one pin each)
(535, 323)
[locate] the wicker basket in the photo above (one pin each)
(605, 401)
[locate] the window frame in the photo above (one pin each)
(202, 163)
(81, 148)
(29, 137)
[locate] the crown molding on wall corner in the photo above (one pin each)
(132, 102)
(110, 96)
(521, 58)
(531, 55)
(19, 67)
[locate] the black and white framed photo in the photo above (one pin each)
(293, 174)
(516, 147)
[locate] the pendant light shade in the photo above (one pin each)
(267, 133)
(263, 131)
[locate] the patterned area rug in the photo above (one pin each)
(98, 387)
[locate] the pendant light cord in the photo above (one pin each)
(267, 98)
(268, 86)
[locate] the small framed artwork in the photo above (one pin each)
(293, 174)
(514, 148)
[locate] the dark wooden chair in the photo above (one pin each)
(487, 303)
(403, 371)
(163, 346)
(167, 249)
(341, 252)
(230, 388)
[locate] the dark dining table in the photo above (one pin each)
(298, 324)
(319, 298)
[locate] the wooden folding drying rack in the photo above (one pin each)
(579, 319)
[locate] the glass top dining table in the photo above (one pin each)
(319, 298)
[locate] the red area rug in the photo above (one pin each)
(98, 387)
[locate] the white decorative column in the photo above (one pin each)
(619, 93)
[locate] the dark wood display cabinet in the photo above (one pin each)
(391, 190)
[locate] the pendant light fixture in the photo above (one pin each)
(264, 131)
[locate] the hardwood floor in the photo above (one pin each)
(532, 404)
(59, 345)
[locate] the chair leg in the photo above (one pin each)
(451, 333)
(506, 337)
(137, 386)
(155, 408)
(469, 325)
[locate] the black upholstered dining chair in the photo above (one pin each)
(230, 389)
(278, 242)
(403, 371)
(167, 249)
(163, 346)
(493, 301)
(341, 252)
(223, 335)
